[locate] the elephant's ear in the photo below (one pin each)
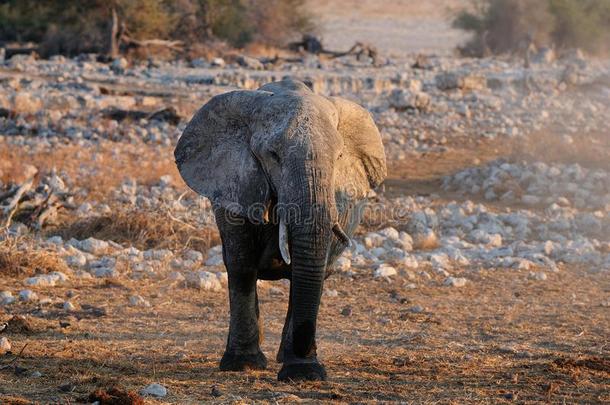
(214, 158)
(362, 165)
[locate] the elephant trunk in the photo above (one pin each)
(310, 232)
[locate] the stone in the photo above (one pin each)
(176, 276)
(343, 264)
(416, 309)
(138, 301)
(402, 100)
(6, 298)
(47, 280)
(5, 345)
(28, 296)
(77, 261)
(158, 254)
(250, 63)
(214, 261)
(105, 272)
(119, 65)
(69, 307)
(218, 62)
(390, 233)
(204, 280)
(193, 255)
(384, 271)
(544, 55)
(94, 246)
(537, 275)
(26, 103)
(455, 282)
(154, 390)
(55, 240)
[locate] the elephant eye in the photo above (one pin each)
(275, 156)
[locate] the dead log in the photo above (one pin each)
(13, 203)
(312, 44)
(167, 114)
(177, 46)
(34, 206)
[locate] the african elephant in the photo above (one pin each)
(286, 171)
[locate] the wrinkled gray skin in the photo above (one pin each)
(281, 158)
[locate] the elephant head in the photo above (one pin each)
(284, 146)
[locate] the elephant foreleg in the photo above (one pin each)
(239, 254)
(285, 331)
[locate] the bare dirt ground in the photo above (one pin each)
(501, 338)
(394, 26)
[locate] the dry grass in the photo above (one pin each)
(23, 258)
(141, 229)
(99, 169)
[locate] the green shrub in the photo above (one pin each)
(508, 25)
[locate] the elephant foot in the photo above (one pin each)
(302, 372)
(241, 362)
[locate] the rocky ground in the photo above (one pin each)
(481, 272)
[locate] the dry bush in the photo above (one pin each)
(142, 229)
(20, 258)
(500, 26)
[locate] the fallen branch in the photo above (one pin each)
(177, 46)
(10, 209)
(14, 359)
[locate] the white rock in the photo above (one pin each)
(69, 307)
(204, 280)
(176, 276)
(373, 240)
(105, 272)
(83, 275)
(537, 275)
(94, 246)
(46, 280)
(77, 261)
(223, 277)
(343, 264)
(409, 261)
(405, 241)
(440, 261)
(455, 282)
(6, 298)
(214, 261)
(385, 271)
(530, 199)
(158, 254)
(5, 345)
(390, 233)
(138, 301)
(55, 240)
(28, 295)
(193, 255)
(154, 390)
(218, 62)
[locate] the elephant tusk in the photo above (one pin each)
(284, 241)
(342, 236)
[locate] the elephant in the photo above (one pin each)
(287, 172)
